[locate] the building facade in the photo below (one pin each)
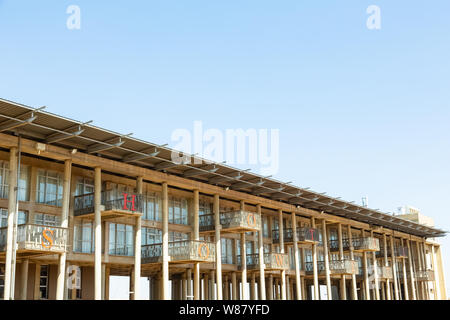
(83, 204)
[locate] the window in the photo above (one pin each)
(178, 236)
(152, 207)
(22, 219)
(4, 177)
(267, 248)
(43, 219)
(151, 236)
(50, 188)
(205, 208)
(265, 221)
(178, 211)
(227, 250)
(121, 239)
(43, 282)
(24, 182)
(2, 280)
(83, 235)
(84, 186)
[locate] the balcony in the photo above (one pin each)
(385, 272)
(114, 204)
(304, 235)
(233, 222)
(337, 267)
(37, 240)
(424, 275)
(367, 244)
(272, 261)
(400, 252)
(188, 251)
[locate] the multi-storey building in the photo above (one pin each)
(83, 204)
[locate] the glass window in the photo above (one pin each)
(43, 284)
(205, 208)
(151, 236)
(152, 207)
(24, 182)
(178, 236)
(4, 179)
(50, 188)
(178, 211)
(227, 250)
(266, 233)
(2, 280)
(84, 186)
(121, 239)
(43, 219)
(83, 236)
(22, 219)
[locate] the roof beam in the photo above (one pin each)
(170, 164)
(199, 171)
(219, 179)
(107, 145)
(149, 153)
(16, 123)
(72, 132)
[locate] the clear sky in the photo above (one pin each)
(360, 112)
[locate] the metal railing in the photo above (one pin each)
(111, 200)
(359, 244)
(230, 220)
(303, 235)
(424, 275)
(37, 238)
(188, 250)
(400, 252)
(272, 261)
(336, 267)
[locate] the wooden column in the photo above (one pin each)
(262, 284)
(386, 263)
(64, 224)
(137, 246)
(298, 287)
(10, 229)
(375, 272)
(244, 261)
(98, 234)
(218, 227)
(197, 294)
(326, 259)
(315, 271)
(341, 256)
(394, 269)
(405, 279)
(165, 245)
(283, 272)
(24, 280)
(234, 288)
(411, 271)
(352, 257)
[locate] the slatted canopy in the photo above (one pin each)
(45, 127)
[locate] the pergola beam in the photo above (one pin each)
(149, 153)
(16, 123)
(107, 145)
(57, 137)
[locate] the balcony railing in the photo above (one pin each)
(337, 267)
(385, 272)
(272, 261)
(359, 244)
(37, 238)
(235, 220)
(181, 251)
(400, 252)
(424, 275)
(304, 235)
(111, 201)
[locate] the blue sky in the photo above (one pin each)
(360, 112)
